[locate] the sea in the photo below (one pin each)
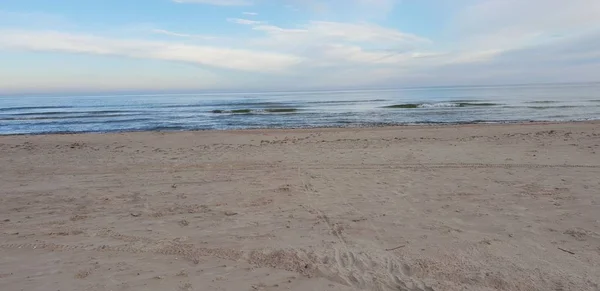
(101, 113)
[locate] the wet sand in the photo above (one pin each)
(471, 207)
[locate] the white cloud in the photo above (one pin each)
(509, 24)
(272, 29)
(357, 9)
(571, 59)
(217, 2)
(363, 32)
(184, 35)
(341, 44)
(250, 13)
(324, 32)
(237, 59)
(243, 21)
(356, 54)
(468, 57)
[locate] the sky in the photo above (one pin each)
(245, 45)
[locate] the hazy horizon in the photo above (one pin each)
(141, 92)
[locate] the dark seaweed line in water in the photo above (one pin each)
(274, 104)
(250, 111)
(543, 102)
(553, 107)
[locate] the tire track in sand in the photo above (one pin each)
(352, 268)
(323, 166)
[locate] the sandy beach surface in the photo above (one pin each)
(471, 207)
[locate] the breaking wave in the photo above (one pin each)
(440, 105)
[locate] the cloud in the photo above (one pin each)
(250, 13)
(338, 44)
(319, 32)
(276, 30)
(363, 32)
(184, 35)
(561, 52)
(508, 24)
(243, 21)
(356, 54)
(217, 2)
(356, 9)
(235, 59)
(571, 59)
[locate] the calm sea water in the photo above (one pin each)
(69, 114)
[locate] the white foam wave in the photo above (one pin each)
(438, 105)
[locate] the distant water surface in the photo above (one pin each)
(219, 111)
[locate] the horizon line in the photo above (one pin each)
(175, 92)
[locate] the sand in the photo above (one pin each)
(471, 207)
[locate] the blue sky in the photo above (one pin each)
(110, 45)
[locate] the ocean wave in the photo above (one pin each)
(243, 104)
(465, 101)
(249, 103)
(68, 113)
(440, 105)
(74, 122)
(166, 128)
(346, 101)
(34, 108)
(26, 117)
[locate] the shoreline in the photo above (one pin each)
(281, 129)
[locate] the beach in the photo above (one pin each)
(455, 207)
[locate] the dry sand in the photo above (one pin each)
(475, 207)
